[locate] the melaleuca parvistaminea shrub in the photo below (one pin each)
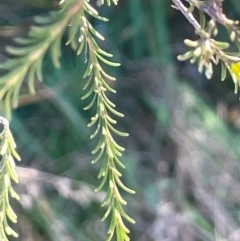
(26, 65)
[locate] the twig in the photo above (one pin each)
(180, 6)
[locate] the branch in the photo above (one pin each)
(180, 6)
(7, 175)
(28, 55)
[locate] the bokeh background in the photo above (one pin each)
(183, 153)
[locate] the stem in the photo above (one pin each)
(180, 6)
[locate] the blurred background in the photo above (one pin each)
(183, 153)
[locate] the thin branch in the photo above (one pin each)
(180, 6)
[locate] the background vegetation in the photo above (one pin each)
(183, 155)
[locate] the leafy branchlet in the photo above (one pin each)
(207, 51)
(26, 63)
(7, 174)
(107, 147)
(96, 87)
(28, 56)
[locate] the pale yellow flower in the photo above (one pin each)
(235, 69)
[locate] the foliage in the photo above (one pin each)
(8, 173)
(25, 63)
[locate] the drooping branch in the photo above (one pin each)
(7, 175)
